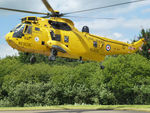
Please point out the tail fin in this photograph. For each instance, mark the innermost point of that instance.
(137, 45)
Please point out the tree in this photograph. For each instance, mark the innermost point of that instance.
(146, 35)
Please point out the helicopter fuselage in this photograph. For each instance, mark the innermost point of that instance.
(40, 35)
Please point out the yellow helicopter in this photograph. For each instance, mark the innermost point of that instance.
(58, 37)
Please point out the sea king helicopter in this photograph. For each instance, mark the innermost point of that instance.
(53, 36)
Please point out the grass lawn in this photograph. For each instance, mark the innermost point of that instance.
(83, 107)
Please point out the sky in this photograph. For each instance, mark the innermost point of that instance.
(128, 22)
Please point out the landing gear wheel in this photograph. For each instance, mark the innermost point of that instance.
(26, 54)
(80, 60)
(101, 66)
(53, 55)
(52, 58)
(32, 59)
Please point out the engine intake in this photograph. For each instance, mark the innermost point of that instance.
(85, 29)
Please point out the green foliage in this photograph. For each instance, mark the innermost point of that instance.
(125, 80)
(25, 58)
(145, 34)
(8, 65)
(5, 103)
(126, 72)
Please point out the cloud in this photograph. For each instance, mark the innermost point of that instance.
(137, 23)
(73, 5)
(99, 25)
(123, 29)
(146, 11)
(67, 5)
(130, 7)
(6, 50)
(31, 5)
(117, 35)
(102, 25)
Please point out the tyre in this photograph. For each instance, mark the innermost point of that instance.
(102, 67)
(52, 58)
(32, 59)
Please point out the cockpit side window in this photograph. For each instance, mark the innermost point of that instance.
(18, 31)
(14, 29)
(29, 31)
(26, 28)
(60, 25)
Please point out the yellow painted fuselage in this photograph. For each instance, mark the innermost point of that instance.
(39, 35)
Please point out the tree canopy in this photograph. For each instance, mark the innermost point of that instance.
(146, 35)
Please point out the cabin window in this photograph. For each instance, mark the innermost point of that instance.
(29, 31)
(27, 22)
(56, 37)
(60, 25)
(52, 35)
(37, 29)
(66, 39)
(95, 44)
(23, 19)
(32, 18)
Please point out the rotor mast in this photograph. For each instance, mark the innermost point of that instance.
(49, 8)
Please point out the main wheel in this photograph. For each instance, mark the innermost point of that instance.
(52, 58)
(102, 67)
(26, 54)
(53, 55)
(32, 59)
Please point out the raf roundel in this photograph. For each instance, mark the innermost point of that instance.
(108, 47)
(36, 39)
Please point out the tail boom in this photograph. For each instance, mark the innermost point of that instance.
(125, 48)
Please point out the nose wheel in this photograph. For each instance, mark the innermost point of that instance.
(53, 55)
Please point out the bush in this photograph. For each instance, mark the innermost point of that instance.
(5, 103)
(125, 80)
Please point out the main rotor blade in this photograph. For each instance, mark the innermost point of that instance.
(104, 7)
(23, 11)
(48, 7)
(91, 17)
(45, 16)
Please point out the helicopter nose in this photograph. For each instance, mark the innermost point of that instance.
(8, 37)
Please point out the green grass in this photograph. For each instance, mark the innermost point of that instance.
(83, 107)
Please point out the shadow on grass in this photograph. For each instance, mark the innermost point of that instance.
(74, 111)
